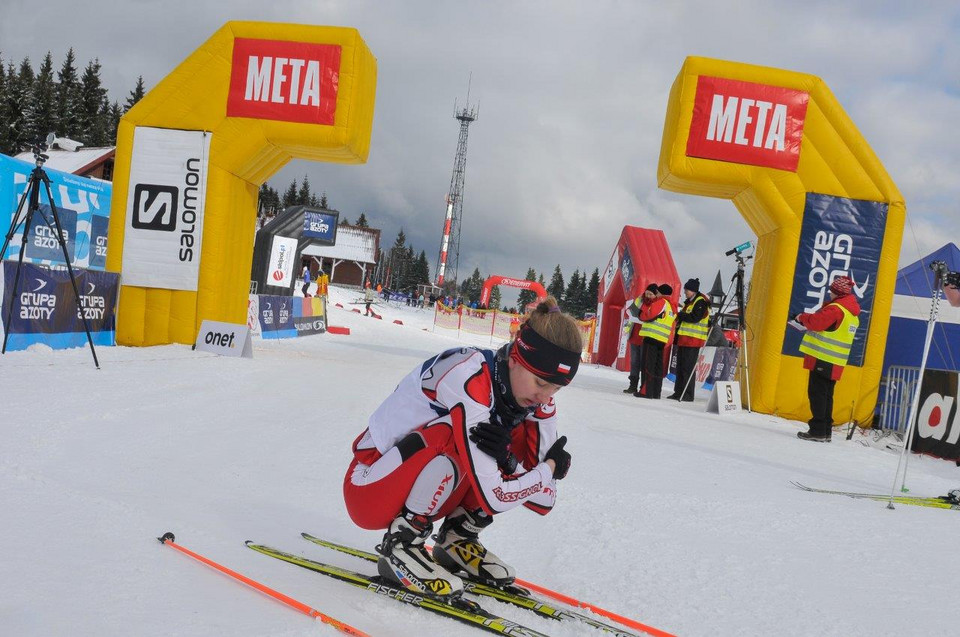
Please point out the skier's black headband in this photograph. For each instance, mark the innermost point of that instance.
(542, 358)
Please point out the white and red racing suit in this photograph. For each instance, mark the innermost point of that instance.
(427, 418)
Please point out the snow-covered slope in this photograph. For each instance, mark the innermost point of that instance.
(683, 520)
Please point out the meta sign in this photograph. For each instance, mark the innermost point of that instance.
(747, 123)
(286, 81)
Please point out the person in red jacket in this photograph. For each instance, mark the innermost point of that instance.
(692, 330)
(826, 347)
(657, 316)
(635, 340)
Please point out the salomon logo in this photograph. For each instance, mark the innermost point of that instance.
(155, 207)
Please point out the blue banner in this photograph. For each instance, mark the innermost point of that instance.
(43, 245)
(320, 226)
(839, 237)
(45, 307)
(276, 317)
(626, 271)
(84, 207)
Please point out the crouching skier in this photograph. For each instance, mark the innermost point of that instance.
(468, 434)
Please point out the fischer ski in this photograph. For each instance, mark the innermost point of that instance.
(949, 501)
(459, 609)
(514, 595)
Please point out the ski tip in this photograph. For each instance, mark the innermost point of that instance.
(249, 542)
(166, 537)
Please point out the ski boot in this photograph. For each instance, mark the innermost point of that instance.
(404, 560)
(458, 549)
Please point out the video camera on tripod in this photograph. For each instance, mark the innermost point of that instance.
(944, 274)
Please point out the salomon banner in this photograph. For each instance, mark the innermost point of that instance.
(83, 205)
(839, 237)
(45, 308)
(321, 226)
(938, 420)
(282, 253)
(164, 225)
(309, 316)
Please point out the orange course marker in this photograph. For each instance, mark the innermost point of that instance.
(168, 539)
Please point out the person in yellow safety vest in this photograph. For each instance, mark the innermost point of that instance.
(692, 330)
(826, 347)
(634, 339)
(656, 330)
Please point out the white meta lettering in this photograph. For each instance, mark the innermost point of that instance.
(295, 66)
(278, 78)
(722, 119)
(743, 118)
(311, 85)
(762, 109)
(777, 134)
(732, 120)
(258, 78)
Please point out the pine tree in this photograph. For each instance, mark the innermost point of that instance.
(303, 195)
(94, 127)
(135, 95)
(494, 297)
(323, 200)
(571, 296)
(116, 112)
(593, 288)
(344, 221)
(4, 129)
(43, 101)
(362, 221)
(422, 266)
(19, 89)
(68, 99)
(556, 284)
(527, 296)
(290, 196)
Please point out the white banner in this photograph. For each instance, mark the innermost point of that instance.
(165, 200)
(282, 253)
(225, 339)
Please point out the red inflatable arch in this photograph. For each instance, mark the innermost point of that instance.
(512, 283)
(641, 257)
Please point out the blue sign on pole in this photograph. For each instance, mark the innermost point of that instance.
(320, 226)
(839, 237)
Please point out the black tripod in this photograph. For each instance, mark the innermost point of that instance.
(32, 193)
(742, 318)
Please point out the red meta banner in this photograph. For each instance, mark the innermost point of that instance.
(286, 81)
(747, 123)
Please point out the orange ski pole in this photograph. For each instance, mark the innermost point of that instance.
(168, 539)
(626, 621)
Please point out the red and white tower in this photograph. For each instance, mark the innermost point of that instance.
(449, 258)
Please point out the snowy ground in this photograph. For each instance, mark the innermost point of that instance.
(680, 519)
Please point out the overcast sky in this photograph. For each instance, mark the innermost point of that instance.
(572, 98)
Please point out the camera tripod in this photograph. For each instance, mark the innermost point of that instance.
(32, 195)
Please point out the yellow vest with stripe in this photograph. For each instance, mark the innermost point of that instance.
(659, 329)
(832, 346)
(696, 330)
(637, 301)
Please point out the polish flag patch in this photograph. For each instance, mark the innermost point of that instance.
(563, 369)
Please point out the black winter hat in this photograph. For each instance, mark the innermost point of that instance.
(665, 289)
(693, 285)
(652, 288)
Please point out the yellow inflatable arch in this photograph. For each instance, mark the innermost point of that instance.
(192, 154)
(779, 145)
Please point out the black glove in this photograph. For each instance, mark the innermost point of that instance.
(560, 457)
(494, 440)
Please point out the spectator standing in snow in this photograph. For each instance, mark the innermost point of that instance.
(826, 347)
(692, 332)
